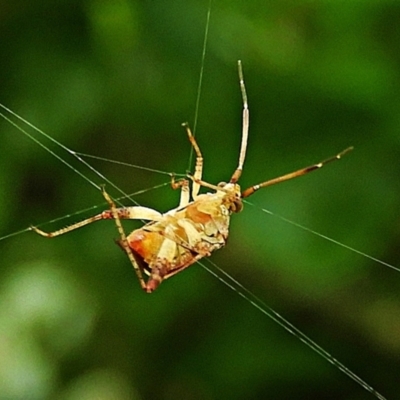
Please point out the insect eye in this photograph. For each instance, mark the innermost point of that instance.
(238, 205)
(221, 184)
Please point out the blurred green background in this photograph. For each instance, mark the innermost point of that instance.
(116, 78)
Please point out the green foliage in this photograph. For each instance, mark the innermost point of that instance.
(116, 79)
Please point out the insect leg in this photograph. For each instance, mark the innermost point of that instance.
(249, 191)
(136, 212)
(198, 172)
(245, 127)
(123, 241)
(185, 194)
(162, 270)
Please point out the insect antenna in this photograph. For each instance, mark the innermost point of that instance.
(245, 127)
(252, 189)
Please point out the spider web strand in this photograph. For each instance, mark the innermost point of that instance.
(327, 238)
(256, 302)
